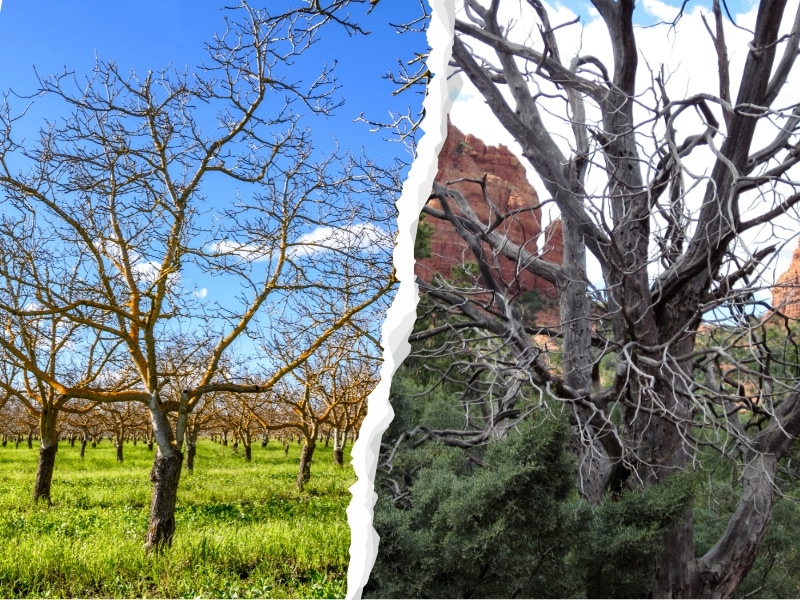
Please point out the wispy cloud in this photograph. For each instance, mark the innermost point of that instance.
(356, 238)
(248, 252)
(365, 236)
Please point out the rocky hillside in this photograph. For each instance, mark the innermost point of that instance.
(466, 157)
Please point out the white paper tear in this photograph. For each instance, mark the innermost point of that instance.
(401, 315)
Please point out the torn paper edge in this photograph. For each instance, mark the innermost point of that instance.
(401, 315)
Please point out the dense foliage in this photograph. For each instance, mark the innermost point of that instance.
(503, 521)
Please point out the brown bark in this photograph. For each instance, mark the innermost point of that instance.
(306, 455)
(191, 450)
(84, 441)
(120, 457)
(44, 473)
(47, 454)
(338, 457)
(165, 475)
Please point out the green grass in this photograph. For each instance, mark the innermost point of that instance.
(243, 530)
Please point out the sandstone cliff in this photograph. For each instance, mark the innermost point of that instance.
(466, 157)
(786, 293)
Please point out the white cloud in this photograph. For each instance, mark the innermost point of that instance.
(661, 10)
(201, 293)
(364, 236)
(248, 252)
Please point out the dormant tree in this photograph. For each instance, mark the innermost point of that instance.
(353, 375)
(200, 420)
(115, 191)
(40, 350)
(121, 420)
(235, 412)
(671, 196)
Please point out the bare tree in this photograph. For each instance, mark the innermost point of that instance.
(54, 346)
(120, 420)
(666, 350)
(115, 189)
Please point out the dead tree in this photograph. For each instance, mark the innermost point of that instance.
(665, 348)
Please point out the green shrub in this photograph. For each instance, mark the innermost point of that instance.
(619, 541)
(501, 530)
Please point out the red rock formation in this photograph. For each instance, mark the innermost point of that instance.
(786, 293)
(466, 157)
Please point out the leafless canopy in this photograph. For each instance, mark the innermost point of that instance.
(142, 190)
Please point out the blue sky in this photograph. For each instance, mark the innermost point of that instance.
(151, 34)
(54, 36)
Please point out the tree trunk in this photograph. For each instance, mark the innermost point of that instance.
(165, 475)
(304, 471)
(191, 450)
(47, 454)
(120, 457)
(84, 441)
(247, 442)
(44, 473)
(339, 444)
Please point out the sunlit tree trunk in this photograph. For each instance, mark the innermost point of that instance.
(307, 455)
(165, 476)
(47, 454)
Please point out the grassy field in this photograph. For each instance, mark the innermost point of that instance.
(243, 530)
